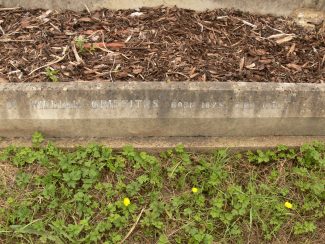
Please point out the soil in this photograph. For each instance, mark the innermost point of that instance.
(158, 44)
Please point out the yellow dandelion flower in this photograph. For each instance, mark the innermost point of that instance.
(288, 205)
(126, 201)
(195, 190)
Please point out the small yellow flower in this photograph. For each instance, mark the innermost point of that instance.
(126, 201)
(195, 190)
(288, 205)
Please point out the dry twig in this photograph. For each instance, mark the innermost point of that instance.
(76, 55)
(51, 63)
(133, 226)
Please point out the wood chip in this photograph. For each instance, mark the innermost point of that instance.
(85, 19)
(116, 45)
(292, 49)
(241, 63)
(284, 39)
(279, 36)
(137, 70)
(295, 66)
(250, 66)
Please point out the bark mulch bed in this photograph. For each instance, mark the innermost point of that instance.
(157, 44)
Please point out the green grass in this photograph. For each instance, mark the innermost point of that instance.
(96, 195)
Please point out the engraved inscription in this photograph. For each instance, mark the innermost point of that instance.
(113, 104)
(51, 104)
(212, 105)
(182, 104)
(118, 104)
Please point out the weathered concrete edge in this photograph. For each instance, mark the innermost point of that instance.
(276, 7)
(306, 117)
(135, 85)
(158, 144)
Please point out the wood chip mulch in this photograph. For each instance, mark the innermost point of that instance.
(157, 44)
